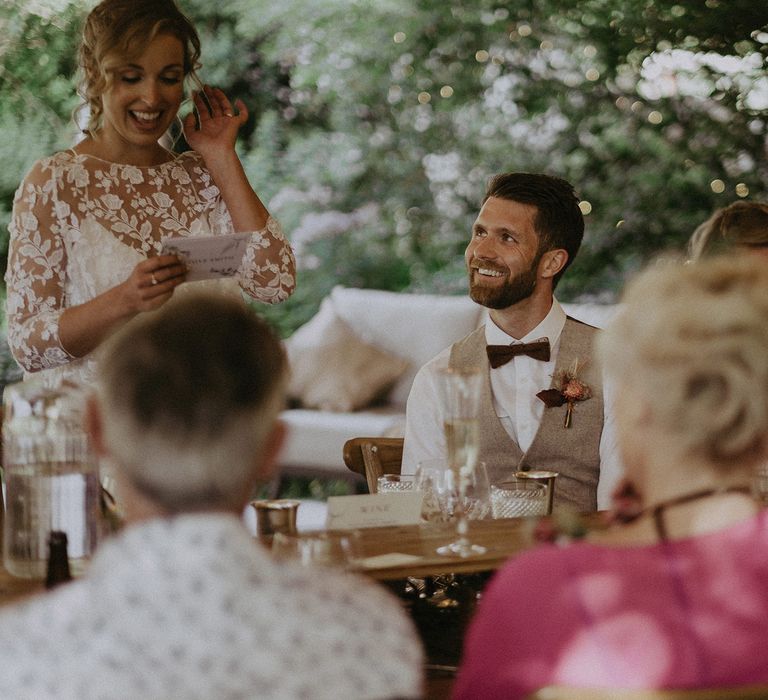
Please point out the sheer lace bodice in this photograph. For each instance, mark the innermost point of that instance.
(79, 227)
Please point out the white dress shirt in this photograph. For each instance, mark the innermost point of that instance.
(514, 387)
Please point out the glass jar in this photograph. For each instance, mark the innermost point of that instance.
(51, 478)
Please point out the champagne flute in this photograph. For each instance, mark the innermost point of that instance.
(460, 394)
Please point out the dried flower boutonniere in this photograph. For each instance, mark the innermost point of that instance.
(571, 390)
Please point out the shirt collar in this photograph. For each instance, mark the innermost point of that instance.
(550, 327)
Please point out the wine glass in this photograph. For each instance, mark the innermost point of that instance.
(330, 549)
(460, 395)
(435, 479)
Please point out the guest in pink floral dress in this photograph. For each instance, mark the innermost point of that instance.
(675, 596)
(87, 223)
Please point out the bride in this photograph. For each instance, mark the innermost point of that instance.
(87, 223)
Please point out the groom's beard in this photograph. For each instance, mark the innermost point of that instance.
(501, 296)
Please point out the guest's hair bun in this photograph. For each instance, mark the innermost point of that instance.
(694, 339)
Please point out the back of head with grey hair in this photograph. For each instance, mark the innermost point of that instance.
(188, 396)
(693, 341)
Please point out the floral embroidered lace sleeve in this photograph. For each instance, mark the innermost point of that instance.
(80, 225)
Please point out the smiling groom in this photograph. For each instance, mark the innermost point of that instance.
(527, 233)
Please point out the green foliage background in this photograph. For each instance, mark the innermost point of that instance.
(375, 123)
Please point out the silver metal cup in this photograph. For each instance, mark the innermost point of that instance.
(275, 515)
(543, 477)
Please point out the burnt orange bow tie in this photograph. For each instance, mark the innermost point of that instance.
(499, 355)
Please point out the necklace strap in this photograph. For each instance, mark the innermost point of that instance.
(657, 511)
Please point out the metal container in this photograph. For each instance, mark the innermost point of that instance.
(275, 515)
(543, 477)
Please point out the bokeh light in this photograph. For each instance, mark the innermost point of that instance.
(742, 190)
(718, 186)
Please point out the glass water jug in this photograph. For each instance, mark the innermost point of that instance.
(51, 478)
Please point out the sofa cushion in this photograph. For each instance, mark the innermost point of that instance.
(415, 327)
(316, 439)
(332, 369)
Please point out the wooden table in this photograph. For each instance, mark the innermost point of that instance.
(13, 589)
(502, 539)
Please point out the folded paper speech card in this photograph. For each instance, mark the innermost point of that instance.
(208, 257)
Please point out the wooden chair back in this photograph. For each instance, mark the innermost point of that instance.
(373, 456)
(752, 692)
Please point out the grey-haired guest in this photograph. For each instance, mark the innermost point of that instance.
(183, 603)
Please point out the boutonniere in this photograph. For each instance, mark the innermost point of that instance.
(570, 389)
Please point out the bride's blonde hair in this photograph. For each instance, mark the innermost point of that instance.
(116, 30)
(694, 339)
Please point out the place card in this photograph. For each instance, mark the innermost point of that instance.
(208, 257)
(377, 510)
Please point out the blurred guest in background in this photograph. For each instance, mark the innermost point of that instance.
(742, 226)
(183, 603)
(87, 223)
(677, 597)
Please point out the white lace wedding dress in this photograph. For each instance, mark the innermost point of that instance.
(79, 227)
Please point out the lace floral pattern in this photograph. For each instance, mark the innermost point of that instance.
(80, 225)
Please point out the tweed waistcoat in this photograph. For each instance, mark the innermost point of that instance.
(574, 453)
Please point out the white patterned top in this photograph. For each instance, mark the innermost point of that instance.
(81, 224)
(190, 607)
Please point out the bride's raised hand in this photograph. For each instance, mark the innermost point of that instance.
(212, 126)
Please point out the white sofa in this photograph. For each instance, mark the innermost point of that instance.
(413, 327)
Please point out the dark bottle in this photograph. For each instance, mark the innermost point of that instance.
(58, 559)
